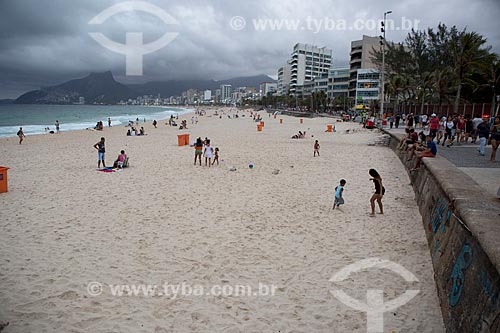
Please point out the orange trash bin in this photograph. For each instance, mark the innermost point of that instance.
(3, 180)
(259, 128)
(186, 139)
(281, 120)
(301, 120)
(180, 139)
(329, 128)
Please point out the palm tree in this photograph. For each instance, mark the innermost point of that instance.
(490, 73)
(468, 54)
(394, 88)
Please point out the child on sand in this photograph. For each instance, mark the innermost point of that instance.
(338, 194)
(379, 191)
(209, 151)
(316, 148)
(216, 156)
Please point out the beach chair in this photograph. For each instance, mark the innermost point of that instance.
(125, 163)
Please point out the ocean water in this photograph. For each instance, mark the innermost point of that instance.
(35, 118)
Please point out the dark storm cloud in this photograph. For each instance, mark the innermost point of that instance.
(45, 42)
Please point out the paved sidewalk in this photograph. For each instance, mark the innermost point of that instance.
(466, 157)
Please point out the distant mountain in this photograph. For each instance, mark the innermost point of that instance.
(94, 88)
(101, 88)
(6, 101)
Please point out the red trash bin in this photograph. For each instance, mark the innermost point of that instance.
(3, 180)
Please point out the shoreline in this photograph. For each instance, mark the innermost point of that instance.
(13, 135)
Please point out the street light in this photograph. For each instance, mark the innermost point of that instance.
(383, 29)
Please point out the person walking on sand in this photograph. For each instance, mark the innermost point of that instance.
(101, 149)
(198, 150)
(109, 122)
(379, 192)
(339, 190)
(57, 126)
(316, 148)
(21, 135)
(209, 152)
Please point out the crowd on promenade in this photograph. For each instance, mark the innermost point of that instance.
(446, 131)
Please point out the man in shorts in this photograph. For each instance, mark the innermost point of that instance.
(100, 153)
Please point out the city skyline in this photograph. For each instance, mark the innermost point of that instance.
(40, 50)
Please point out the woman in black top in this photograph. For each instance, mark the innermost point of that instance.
(379, 191)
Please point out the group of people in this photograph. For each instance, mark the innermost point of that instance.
(447, 131)
(377, 196)
(136, 132)
(203, 147)
(101, 151)
(299, 135)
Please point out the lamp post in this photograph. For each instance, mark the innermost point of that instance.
(382, 42)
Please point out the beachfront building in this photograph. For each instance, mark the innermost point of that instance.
(284, 76)
(207, 95)
(267, 88)
(321, 83)
(308, 62)
(367, 86)
(338, 82)
(360, 58)
(225, 93)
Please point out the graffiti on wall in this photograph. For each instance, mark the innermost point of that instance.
(440, 217)
(463, 261)
(490, 289)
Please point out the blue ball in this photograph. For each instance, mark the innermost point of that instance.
(250, 166)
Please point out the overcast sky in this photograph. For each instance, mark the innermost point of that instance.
(45, 42)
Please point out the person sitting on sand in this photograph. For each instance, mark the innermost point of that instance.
(129, 133)
(379, 191)
(339, 190)
(119, 160)
(430, 151)
(198, 150)
(142, 132)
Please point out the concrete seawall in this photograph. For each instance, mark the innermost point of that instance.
(462, 225)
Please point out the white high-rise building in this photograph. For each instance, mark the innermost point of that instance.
(308, 62)
(207, 95)
(284, 77)
(225, 93)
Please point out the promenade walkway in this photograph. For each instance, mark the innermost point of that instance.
(466, 158)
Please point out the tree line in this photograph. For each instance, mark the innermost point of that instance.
(444, 65)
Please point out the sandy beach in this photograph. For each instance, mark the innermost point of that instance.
(163, 220)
